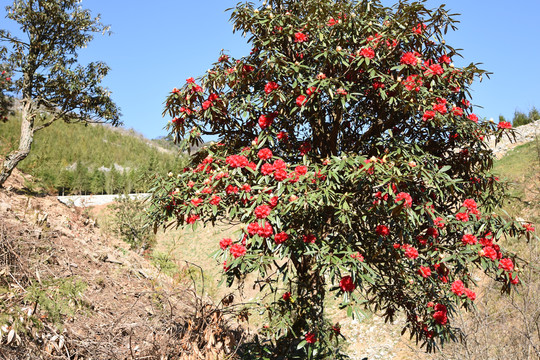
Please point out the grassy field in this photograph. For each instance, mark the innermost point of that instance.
(79, 159)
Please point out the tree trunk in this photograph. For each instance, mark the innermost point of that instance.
(25, 143)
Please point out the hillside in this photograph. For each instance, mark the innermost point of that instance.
(68, 290)
(77, 159)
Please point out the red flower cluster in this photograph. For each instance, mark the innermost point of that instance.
(441, 314)
(281, 237)
(225, 243)
(504, 125)
(367, 52)
(424, 271)
(265, 154)
(469, 239)
(428, 115)
(410, 251)
(309, 238)
(301, 100)
(506, 264)
(409, 58)
(405, 197)
(382, 230)
(270, 86)
(262, 211)
(191, 219)
(266, 120)
(300, 37)
(346, 284)
(237, 161)
(237, 250)
(311, 338)
(419, 28)
(413, 82)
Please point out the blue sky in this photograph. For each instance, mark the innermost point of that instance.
(156, 45)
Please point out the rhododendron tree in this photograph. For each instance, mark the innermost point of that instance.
(350, 158)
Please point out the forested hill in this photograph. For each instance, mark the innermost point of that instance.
(77, 159)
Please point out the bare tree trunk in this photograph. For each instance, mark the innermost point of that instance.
(25, 143)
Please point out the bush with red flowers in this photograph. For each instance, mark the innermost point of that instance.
(368, 176)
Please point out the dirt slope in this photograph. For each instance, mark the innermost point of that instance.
(127, 309)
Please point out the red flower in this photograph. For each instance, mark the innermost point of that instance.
(382, 230)
(305, 147)
(270, 86)
(440, 108)
(237, 250)
(192, 218)
(266, 120)
(309, 238)
(528, 227)
(513, 280)
(440, 315)
(413, 82)
(280, 164)
(457, 111)
(331, 22)
(346, 284)
(237, 161)
(225, 243)
(409, 59)
(473, 117)
(311, 338)
(300, 37)
(286, 296)
(358, 256)
(406, 197)
(367, 52)
(462, 216)
(253, 228)
(506, 264)
(215, 200)
(231, 189)
(489, 252)
(196, 201)
(273, 201)
(470, 294)
(504, 125)
(439, 222)
(428, 115)
(435, 69)
(266, 231)
(265, 154)
(419, 28)
(246, 187)
(470, 204)
(262, 211)
(283, 136)
(469, 239)
(310, 91)
(424, 271)
(458, 288)
(280, 175)
(267, 169)
(301, 100)
(190, 80)
(432, 232)
(410, 252)
(301, 170)
(445, 59)
(341, 91)
(281, 237)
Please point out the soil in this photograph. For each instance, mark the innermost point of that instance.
(128, 308)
